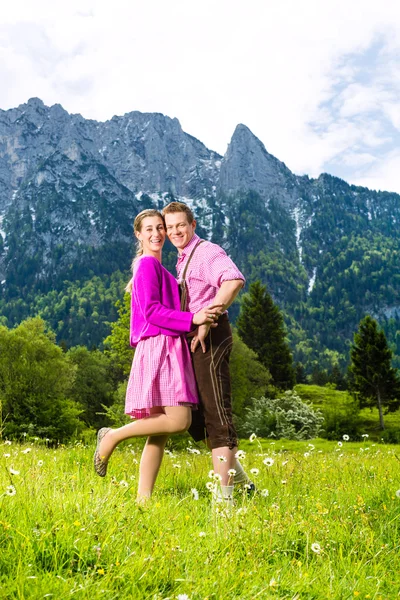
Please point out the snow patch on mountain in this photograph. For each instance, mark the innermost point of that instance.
(312, 281)
(296, 216)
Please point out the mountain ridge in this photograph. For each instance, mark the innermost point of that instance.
(70, 189)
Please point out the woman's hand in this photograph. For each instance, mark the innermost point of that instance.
(209, 314)
(200, 337)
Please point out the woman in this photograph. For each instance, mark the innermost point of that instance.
(161, 391)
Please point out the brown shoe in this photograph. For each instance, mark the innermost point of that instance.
(100, 465)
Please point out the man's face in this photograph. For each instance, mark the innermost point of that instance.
(179, 230)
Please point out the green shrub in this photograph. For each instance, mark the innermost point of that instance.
(284, 417)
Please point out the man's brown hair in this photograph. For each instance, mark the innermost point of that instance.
(175, 207)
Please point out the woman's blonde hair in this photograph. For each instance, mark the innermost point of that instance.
(137, 227)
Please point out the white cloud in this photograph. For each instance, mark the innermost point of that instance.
(316, 82)
(384, 175)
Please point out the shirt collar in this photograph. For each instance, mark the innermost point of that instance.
(188, 248)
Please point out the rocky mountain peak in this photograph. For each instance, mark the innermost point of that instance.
(248, 166)
(35, 103)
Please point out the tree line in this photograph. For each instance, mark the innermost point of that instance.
(55, 392)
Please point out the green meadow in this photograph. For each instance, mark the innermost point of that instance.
(324, 523)
(339, 407)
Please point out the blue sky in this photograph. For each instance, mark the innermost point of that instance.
(317, 82)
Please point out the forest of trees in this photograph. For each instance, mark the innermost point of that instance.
(55, 392)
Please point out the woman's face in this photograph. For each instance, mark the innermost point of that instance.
(152, 235)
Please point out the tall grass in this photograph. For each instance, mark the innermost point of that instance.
(324, 523)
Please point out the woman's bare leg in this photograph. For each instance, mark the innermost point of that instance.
(174, 419)
(150, 464)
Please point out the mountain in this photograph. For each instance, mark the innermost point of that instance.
(70, 188)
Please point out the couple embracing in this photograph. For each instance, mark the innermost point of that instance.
(172, 389)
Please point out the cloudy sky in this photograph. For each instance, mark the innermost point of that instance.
(317, 82)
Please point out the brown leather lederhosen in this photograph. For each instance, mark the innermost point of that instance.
(214, 417)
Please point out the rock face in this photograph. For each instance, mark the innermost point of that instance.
(248, 166)
(142, 152)
(76, 184)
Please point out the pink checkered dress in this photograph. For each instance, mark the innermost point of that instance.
(162, 372)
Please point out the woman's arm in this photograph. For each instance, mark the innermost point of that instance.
(147, 287)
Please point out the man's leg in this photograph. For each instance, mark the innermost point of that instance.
(240, 477)
(213, 381)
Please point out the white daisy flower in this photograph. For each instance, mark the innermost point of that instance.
(232, 472)
(306, 454)
(14, 472)
(7, 443)
(182, 597)
(40, 463)
(195, 494)
(176, 466)
(346, 437)
(240, 454)
(123, 483)
(315, 547)
(254, 471)
(365, 435)
(210, 486)
(340, 444)
(202, 534)
(398, 493)
(217, 477)
(222, 459)
(211, 474)
(241, 509)
(252, 437)
(264, 493)
(10, 490)
(268, 461)
(6, 455)
(27, 450)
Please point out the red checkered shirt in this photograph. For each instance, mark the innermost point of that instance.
(209, 267)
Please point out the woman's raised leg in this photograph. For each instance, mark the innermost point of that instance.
(173, 419)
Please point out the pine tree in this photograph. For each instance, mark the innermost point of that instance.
(372, 376)
(260, 325)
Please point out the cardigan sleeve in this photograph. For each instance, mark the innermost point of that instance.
(148, 289)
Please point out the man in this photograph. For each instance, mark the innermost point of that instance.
(211, 277)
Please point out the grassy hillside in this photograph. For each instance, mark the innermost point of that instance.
(340, 408)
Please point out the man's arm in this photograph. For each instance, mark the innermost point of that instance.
(225, 296)
(228, 292)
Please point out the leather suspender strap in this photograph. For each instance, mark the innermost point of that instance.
(182, 283)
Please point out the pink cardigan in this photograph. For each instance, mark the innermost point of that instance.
(155, 306)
